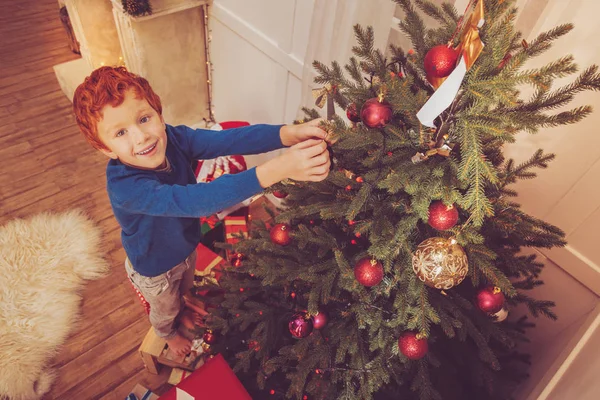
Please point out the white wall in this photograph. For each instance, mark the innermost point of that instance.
(257, 49)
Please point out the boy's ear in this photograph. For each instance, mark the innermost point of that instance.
(110, 154)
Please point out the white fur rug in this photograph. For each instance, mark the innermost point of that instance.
(44, 261)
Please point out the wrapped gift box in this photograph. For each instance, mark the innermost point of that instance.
(236, 227)
(214, 380)
(155, 352)
(208, 265)
(141, 393)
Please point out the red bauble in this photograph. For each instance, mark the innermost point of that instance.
(209, 337)
(280, 194)
(352, 113)
(441, 216)
(368, 272)
(440, 61)
(253, 345)
(280, 234)
(376, 113)
(320, 319)
(300, 325)
(412, 345)
(236, 260)
(490, 299)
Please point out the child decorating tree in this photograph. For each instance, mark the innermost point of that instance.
(153, 191)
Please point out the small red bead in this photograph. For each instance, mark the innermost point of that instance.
(348, 188)
(359, 180)
(237, 315)
(252, 275)
(305, 397)
(241, 289)
(351, 222)
(260, 312)
(312, 222)
(353, 241)
(411, 52)
(272, 391)
(389, 153)
(357, 234)
(293, 295)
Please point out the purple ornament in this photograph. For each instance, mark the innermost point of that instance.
(300, 325)
(320, 320)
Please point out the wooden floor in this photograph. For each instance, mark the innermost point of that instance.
(47, 165)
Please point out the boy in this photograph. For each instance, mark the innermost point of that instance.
(153, 191)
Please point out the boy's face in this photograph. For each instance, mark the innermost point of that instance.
(134, 133)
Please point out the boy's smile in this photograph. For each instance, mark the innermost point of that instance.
(134, 133)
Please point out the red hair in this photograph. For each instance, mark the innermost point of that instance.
(107, 86)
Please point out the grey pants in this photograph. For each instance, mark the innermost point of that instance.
(165, 293)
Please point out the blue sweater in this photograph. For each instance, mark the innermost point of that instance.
(159, 211)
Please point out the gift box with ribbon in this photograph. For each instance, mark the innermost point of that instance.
(141, 393)
(214, 380)
(236, 228)
(208, 265)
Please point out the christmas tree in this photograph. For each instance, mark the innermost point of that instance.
(393, 278)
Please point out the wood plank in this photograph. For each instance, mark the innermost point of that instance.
(156, 383)
(89, 364)
(106, 380)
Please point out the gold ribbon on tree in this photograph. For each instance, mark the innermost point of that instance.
(470, 45)
(325, 95)
(320, 95)
(443, 150)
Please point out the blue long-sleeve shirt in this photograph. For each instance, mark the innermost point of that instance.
(158, 211)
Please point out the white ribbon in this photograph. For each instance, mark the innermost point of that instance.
(183, 395)
(443, 97)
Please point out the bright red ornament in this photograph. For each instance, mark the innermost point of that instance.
(280, 234)
(320, 319)
(209, 337)
(300, 325)
(376, 113)
(490, 299)
(280, 194)
(441, 216)
(368, 272)
(440, 61)
(253, 345)
(413, 345)
(236, 260)
(352, 113)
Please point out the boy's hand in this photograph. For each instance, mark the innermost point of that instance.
(293, 134)
(305, 161)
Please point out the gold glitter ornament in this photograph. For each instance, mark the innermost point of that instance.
(440, 263)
